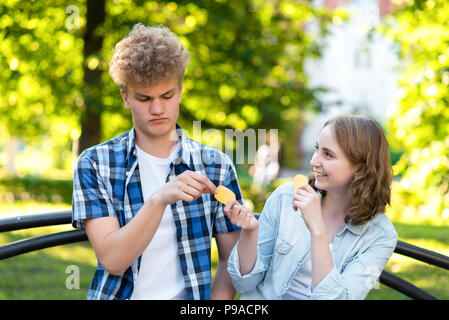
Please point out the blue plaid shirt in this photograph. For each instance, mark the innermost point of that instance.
(107, 183)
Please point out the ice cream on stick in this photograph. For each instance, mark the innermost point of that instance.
(224, 195)
(299, 180)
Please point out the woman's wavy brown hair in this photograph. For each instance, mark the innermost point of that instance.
(364, 144)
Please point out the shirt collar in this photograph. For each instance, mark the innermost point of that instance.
(185, 152)
(356, 229)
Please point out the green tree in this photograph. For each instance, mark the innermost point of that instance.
(419, 124)
(246, 68)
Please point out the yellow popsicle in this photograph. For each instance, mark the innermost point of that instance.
(224, 194)
(299, 180)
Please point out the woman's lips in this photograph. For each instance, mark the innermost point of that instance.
(319, 175)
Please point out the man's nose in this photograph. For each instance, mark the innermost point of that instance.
(156, 107)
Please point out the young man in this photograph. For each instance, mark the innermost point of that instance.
(145, 198)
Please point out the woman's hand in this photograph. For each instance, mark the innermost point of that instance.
(309, 202)
(241, 215)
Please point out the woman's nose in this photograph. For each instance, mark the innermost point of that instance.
(314, 162)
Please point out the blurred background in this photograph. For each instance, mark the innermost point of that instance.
(255, 64)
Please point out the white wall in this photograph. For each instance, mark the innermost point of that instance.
(360, 73)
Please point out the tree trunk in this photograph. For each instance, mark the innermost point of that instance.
(93, 42)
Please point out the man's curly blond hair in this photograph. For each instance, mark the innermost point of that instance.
(147, 56)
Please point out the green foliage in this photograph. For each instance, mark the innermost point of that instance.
(246, 68)
(419, 124)
(36, 188)
(40, 69)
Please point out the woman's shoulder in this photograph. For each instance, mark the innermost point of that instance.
(285, 189)
(381, 221)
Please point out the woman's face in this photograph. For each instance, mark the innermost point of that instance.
(332, 169)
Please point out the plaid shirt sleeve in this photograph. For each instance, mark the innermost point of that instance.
(90, 196)
(222, 223)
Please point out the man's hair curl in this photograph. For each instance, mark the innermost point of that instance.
(147, 56)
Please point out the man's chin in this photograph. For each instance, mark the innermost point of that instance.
(160, 132)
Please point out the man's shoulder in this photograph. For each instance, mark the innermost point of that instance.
(115, 147)
(206, 154)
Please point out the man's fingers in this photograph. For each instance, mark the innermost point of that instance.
(195, 185)
(210, 187)
(194, 192)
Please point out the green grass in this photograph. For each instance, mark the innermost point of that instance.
(430, 278)
(42, 274)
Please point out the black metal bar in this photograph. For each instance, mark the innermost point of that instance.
(37, 220)
(41, 242)
(404, 287)
(421, 254)
(65, 217)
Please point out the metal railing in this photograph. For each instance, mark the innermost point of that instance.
(65, 237)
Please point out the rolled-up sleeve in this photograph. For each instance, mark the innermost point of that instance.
(222, 224)
(360, 274)
(265, 245)
(90, 197)
(247, 282)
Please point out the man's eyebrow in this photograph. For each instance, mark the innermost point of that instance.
(163, 94)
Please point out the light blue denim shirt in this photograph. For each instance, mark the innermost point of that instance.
(359, 254)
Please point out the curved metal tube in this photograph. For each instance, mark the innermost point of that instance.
(41, 242)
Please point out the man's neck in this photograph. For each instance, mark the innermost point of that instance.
(160, 147)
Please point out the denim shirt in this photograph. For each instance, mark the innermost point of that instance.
(359, 254)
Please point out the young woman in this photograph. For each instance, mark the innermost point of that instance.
(328, 239)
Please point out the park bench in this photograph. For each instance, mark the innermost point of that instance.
(65, 217)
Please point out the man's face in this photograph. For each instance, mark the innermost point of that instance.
(154, 109)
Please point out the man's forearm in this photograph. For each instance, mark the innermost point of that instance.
(123, 246)
(222, 288)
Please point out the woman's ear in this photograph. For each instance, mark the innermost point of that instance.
(358, 168)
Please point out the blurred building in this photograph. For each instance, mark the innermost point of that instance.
(358, 67)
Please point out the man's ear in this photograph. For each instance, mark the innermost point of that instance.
(125, 98)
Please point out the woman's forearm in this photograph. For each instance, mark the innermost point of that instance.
(247, 250)
(322, 262)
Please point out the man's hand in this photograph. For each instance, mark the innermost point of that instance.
(188, 187)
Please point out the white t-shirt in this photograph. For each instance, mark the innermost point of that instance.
(160, 275)
(301, 282)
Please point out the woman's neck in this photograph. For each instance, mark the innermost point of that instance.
(335, 205)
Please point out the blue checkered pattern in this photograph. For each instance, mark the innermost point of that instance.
(107, 183)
